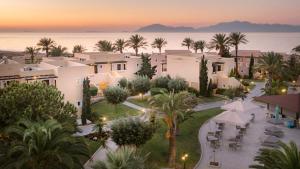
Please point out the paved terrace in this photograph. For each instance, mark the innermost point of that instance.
(240, 159)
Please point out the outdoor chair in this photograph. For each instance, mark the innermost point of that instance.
(238, 127)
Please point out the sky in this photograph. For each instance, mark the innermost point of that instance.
(128, 15)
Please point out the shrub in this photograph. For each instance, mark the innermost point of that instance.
(155, 91)
(141, 84)
(123, 83)
(161, 82)
(178, 84)
(220, 91)
(245, 82)
(131, 132)
(193, 91)
(115, 95)
(93, 91)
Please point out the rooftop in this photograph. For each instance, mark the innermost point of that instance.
(247, 53)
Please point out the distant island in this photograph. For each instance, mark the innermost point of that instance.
(234, 26)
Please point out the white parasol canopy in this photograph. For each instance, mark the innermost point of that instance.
(231, 117)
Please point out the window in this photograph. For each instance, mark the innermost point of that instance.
(46, 82)
(78, 103)
(124, 66)
(219, 68)
(118, 66)
(95, 69)
(137, 65)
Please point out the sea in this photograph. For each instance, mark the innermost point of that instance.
(18, 41)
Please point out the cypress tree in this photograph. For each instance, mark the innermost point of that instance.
(251, 67)
(86, 101)
(146, 68)
(203, 78)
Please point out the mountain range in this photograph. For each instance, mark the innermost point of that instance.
(234, 26)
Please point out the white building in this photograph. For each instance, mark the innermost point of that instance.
(185, 64)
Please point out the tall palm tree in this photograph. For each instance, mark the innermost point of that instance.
(220, 42)
(78, 49)
(46, 44)
(137, 41)
(173, 106)
(187, 42)
(272, 64)
(59, 51)
(159, 43)
(297, 49)
(32, 51)
(123, 158)
(237, 38)
(120, 45)
(199, 45)
(43, 145)
(105, 46)
(287, 157)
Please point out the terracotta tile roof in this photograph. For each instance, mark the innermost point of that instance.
(290, 102)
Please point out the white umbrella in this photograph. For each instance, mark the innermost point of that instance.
(231, 117)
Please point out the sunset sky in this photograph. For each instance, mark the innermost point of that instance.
(121, 15)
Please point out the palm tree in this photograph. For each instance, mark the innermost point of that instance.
(297, 49)
(59, 51)
(199, 45)
(173, 106)
(43, 145)
(137, 41)
(159, 43)
(237, 38)
(123, 158)
(120, 45)
(32, 51)
(220, 42)
(78, 49)
(46, 44)
(287, 157)
(187, 42)
(105, 46)
(272, 64)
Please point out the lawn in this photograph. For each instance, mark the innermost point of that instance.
(108, 110)
(140, 102)
(210, 99)
(187, 141)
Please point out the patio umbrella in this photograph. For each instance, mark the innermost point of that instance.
(231, 117)
(277, 111)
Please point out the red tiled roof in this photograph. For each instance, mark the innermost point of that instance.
(290, 102)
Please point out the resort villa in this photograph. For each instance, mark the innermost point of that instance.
(160, 61)
(184, 63)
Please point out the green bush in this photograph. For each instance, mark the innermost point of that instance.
(178, 84)
(141, 84)
(245, 83)
(156, 90)
(123, 83)
(115, 95)
(131, 132)
(161, 82)
(93, 91)
(193, 91)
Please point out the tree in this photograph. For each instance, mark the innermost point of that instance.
(203, 78)
(220, 42)
(93, 90)
(173, 105)
(86, 101)
(137, 41)
(115, 95)
(58, 51)
(120, 45)
(46, 44)
(251, 64)
(32, 51)
(287, 157)
(187, 42)
(131, 132)
(297, 49)
(209, 92)
(34, 101)
(43, 145)
(161, 82)
(105, 46)
(159, 43)
(237, 38)
(125, 157)
(293, 68)
(178, 84)
(146, 68)
(271, 63)
(141, 84)
(199, 45)
(78, 49)
(123, 83)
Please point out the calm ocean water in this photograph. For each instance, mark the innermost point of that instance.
(280, 42)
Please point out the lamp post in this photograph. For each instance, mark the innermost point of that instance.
(184, 159)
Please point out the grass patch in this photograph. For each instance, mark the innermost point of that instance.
(108, 110)
(187, 141)
(140, 102)
(210, 99)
